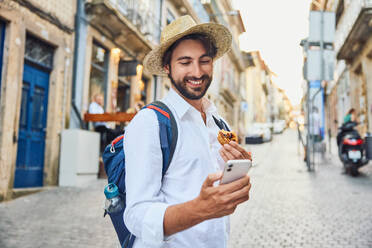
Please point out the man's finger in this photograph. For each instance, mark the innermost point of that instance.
(234, 152)
(211, 178)
(223, 156)
(249, 155)
(242, 151)
(227, 154)
(236, 185)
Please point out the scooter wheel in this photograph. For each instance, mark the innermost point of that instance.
(354, 171)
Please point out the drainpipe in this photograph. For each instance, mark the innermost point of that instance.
(157, 79)
(78, 70)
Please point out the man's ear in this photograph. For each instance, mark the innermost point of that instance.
(166, 68)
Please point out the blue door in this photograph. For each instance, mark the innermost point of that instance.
(2, 37)
(32, 127)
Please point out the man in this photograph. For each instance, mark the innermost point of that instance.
(187, 207)
(95, 107)
(107, 134)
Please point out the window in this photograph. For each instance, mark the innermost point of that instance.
(98, 71)
(38, 52)
(123, 97)
(144, 90)
(170, 16)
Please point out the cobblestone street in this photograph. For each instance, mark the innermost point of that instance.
(289, 207)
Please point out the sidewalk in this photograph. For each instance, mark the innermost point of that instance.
(61, 217)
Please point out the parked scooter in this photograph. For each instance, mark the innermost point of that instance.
(351, 150)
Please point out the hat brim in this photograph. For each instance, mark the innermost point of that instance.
(219, 34)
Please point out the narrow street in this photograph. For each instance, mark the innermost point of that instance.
(289, 207)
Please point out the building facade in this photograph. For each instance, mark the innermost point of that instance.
(55, 56)
(352, 84)
(353, 46)
(228, 76)
(258, 84)
(37, 44)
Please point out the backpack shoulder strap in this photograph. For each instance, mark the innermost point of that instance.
(221, 124)
(168, 131)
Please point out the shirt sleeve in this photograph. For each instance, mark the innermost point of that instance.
(145, 209)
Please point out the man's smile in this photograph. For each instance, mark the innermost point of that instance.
(194, 83)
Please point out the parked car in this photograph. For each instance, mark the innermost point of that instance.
(258, 133)
(266, 130)
(278, 126)
(254, 136)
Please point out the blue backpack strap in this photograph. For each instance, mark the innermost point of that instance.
(113, 160)
(167, 130)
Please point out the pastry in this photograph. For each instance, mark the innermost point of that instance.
(224, 137)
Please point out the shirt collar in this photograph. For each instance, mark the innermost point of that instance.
(181, 107)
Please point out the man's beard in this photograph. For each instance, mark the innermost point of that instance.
(181, 86)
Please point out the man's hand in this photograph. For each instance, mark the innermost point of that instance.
(234, 151)
(218, 201)
(212, 202)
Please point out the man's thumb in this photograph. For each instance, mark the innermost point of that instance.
(212, 178)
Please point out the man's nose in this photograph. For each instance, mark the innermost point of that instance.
(197, 70)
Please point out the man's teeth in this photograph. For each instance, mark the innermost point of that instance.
(195, 82)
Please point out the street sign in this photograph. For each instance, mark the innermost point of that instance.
(329, 64)
(314, 65)
(244, 106)
(315, 30)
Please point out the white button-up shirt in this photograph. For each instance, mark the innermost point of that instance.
(95, 108)
(148, 196)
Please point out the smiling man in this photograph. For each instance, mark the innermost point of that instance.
(186, 207)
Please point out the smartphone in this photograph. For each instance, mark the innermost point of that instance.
(235, 169)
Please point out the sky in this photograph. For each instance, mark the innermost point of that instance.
(275, 28)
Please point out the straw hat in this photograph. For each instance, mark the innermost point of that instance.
(185, 25)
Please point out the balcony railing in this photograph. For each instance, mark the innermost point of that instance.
(143, 14)
(347, 21)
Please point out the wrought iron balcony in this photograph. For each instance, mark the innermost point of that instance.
(132, 23)
(353, 28)
(142, 15)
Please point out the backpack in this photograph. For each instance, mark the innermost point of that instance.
(114, 161)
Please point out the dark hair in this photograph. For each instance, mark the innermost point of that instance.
(206, 41)
(352, 110)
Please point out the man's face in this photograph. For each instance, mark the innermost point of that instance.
(190, 69)
(99, 99)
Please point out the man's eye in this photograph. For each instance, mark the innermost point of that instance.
(205, 61)
(185, 63)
